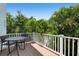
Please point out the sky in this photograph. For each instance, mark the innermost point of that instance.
(37, 10)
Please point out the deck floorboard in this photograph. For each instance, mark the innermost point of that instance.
(28, 51)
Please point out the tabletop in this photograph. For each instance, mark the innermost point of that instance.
(15, 38)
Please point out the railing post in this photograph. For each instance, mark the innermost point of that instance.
(45, 40)
(34, 39)
(78, 48)
(61, 44)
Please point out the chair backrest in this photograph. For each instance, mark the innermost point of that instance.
(3, 38)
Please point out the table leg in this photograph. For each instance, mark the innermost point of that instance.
(17, 48)
(24, 44)
(8, 48)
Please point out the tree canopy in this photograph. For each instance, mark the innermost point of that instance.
(67, 20)
(63, 21)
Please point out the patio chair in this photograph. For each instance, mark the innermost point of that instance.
(4, 42)
(23, 41)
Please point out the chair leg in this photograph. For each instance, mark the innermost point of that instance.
(24, 45)
(17, 48)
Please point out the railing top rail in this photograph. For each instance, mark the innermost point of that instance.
(19, 33)
(48, 35)
(63, 36)
(71, 37)
(51, 35)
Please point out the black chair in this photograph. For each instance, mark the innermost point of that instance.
(4, 42)
(23, 41)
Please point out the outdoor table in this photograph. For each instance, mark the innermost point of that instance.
(15, 39)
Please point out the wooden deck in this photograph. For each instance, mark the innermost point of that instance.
(32, 49)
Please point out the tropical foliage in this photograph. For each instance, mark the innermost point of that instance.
(67, 20)
(64, 21)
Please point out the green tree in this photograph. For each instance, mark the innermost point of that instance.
(67, 20)
(31, 25)
(21, 20)
(42, 26)
(10, 23)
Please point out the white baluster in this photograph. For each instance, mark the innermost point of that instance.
(72, 47)
(61, 43)
(64, 46)
(58, 44)
(52, 41)
(34, 37)
(55, 43)
(15, 35)
(68, 46)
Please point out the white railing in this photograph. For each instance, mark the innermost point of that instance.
(19, 34)
(68, 46)
(16, 34)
